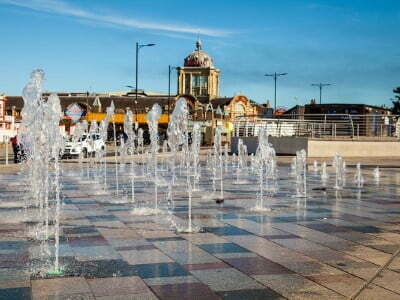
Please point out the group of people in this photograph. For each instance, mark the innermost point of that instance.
(18, 150)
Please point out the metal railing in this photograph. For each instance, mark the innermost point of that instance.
(336, 126)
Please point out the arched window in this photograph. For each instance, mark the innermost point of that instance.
(240, 110)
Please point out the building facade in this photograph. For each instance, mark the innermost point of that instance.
(198, 83)
(198, 76)
(8, 124)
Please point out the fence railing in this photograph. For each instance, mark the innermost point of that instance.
(323, 126)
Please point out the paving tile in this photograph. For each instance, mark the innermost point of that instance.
(95, 253)
(222, 248)
(117, 286)
(395, 264)
(127, 242)
(313, 268)
(269, 250)
(11, 260)
(369, 254)
(226, 279)
(138, 257)
(280, 236)
(250, 294)
(159, 270)
(80, 229)
(87, 241)
(365, 229)
(257, 266)
(204, 238)
(187, 291)
(389, 280)
(388, 248)
(12, 284)
(18, 293)
(234, 255)
(170, 280)
(184, 252)
(9, 275)
(13, 246)
(374, 292)
(165, 239)
(138, 248)
(362, 272)
(155, 234)
(100, 268)
(79, 296)
(227, 230)
(345, 284)
(145, 296)
(59, 286)
(299, 244)
(205, 266)
(294, 286)
(118, 233)
(327, 228)
(102, 218)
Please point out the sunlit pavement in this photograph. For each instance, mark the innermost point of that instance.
(322, 247)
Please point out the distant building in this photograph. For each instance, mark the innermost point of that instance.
(198, 82)
(365, 119)
(198, 76)
(8, 114)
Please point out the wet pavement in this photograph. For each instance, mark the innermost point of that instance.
(325, 246)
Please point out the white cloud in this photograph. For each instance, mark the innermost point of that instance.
(62, 8)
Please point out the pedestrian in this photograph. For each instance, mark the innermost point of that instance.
(386, 121)
(15, 146)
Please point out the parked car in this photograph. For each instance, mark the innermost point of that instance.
(86, 145)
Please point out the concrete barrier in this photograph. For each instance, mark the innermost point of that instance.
(251, 142)
(321, 148)
(283, 145)
(317, 148)
(288, 145)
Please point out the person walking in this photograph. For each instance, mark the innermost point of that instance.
(15, 146)
(386, 121)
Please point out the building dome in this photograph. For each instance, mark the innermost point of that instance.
(198, 58)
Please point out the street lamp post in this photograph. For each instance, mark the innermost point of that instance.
(320, 85)
(169, 86)
(275, 76)
(138, 47)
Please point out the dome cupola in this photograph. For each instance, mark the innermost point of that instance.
(198, 58)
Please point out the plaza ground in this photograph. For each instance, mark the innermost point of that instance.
(325, 246)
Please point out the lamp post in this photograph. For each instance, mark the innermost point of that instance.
(275, 76)
(169, 86)
(138, 47)
(320, 85)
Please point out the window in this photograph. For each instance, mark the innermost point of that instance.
(199, 85)
(239, 110)
(187, 84)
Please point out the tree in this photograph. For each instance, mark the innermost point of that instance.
(396, 101)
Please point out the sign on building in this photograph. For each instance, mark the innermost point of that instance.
(74, 111)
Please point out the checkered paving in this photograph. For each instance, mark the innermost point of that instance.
(322, 247)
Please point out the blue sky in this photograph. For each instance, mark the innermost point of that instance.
(90, 45)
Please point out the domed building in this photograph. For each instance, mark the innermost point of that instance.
(199, 79)
(198, 76)
(199, 58)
